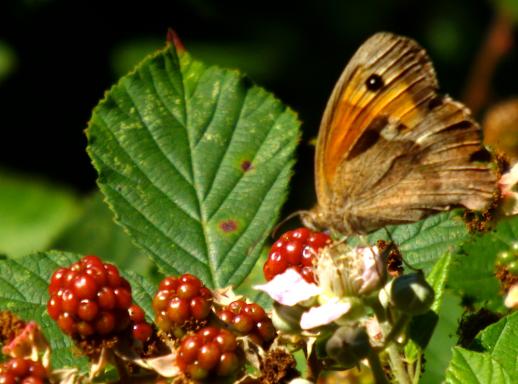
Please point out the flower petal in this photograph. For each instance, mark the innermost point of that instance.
(324, 314)
(289, 288)
(508, 184)
(511, 300)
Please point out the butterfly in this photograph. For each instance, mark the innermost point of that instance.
(391, 149)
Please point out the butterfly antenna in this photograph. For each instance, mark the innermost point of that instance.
(287, 218)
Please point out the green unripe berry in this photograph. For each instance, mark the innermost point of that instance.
(512, 267)
(412, 294)
(504, 258)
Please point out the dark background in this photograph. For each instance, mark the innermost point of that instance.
(65, 54)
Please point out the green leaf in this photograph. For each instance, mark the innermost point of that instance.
(497, 363)
(95, 232)
(437, 279)
(142, 291)
(422, 327)
(33, 213)
(195, 162)
(438, 351)
(7, 60)
(468, 367)
(500, 339)
(473, 269)
(424, 242)
(23, 291)
(256, 277)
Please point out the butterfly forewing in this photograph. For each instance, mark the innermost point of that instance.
(390, 148)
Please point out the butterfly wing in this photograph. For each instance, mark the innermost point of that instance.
(391, 149)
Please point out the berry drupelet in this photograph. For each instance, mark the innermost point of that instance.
(295, 249)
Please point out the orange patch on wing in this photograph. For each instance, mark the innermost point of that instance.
(396, 103)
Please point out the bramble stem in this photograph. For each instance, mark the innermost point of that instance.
(400, 324)
(396, 363)
(314, 367)
(377, 369)
(394, 357)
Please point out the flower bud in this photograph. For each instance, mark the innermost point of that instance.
(348, 346)
(411, 294)
(287, 318)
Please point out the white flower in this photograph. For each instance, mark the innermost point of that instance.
(344, 274)
(343, 271)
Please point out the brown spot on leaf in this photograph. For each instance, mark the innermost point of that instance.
(228, 226)
(246, 165)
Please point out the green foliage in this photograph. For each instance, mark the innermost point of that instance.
(33, 213)
(23, 291)
(95, 232)
(422, 327)
(496, 363)
(473, 271)
(423, 243)
(195, 162)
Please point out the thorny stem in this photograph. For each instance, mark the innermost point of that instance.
(497, 43)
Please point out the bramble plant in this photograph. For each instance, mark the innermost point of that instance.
(194, 161)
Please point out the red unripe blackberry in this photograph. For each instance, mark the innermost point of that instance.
(7, 378)
(178, 310)
(228, 364)
(18, 366)
(210, 351)
(142, 331)
(122, 298)
(66, 323)
(21, 370)
(179, 300)
(106, 298)
(87, 310)
(69, 301)
(105, 323)
(91, 297)
(54, 306)
(169, 284)
(136, 314)
(243, 323)
(248, 319)
(295, 249)
(208, 355)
